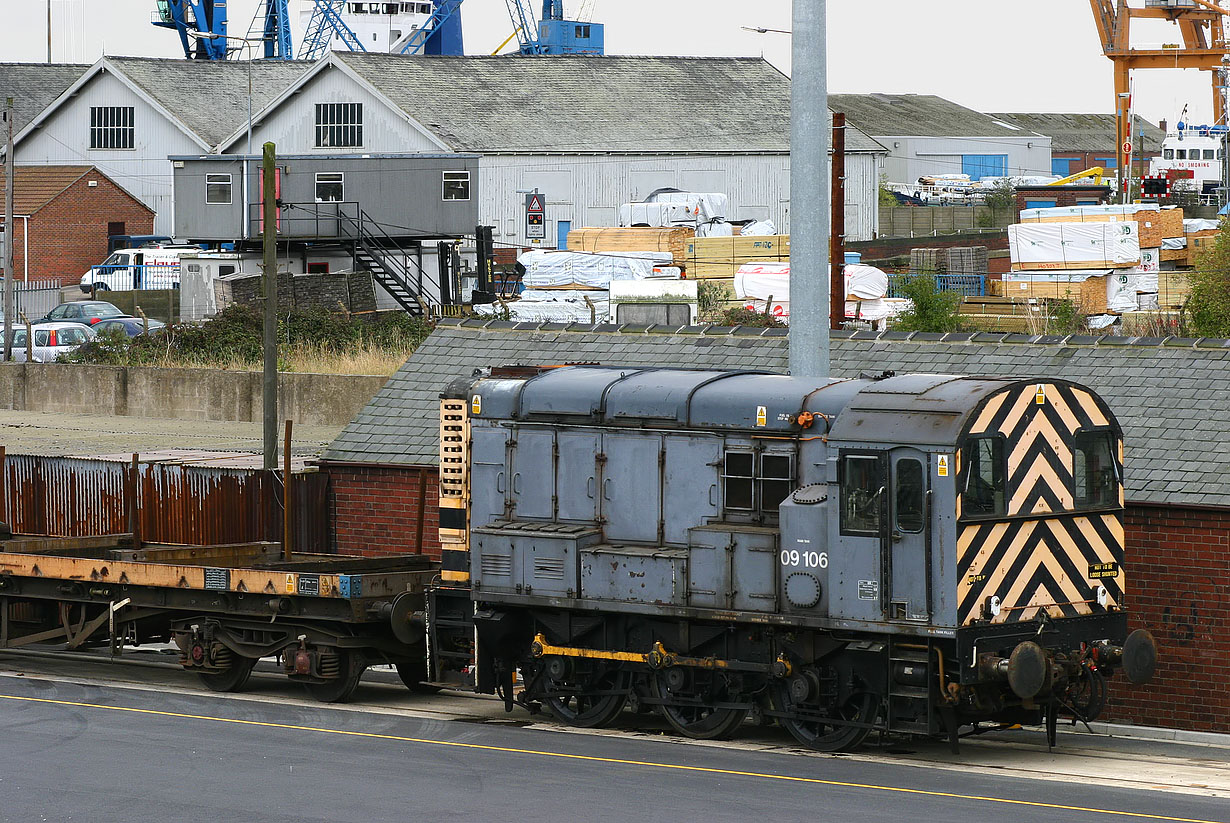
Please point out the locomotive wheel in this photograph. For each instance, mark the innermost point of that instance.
(351, 666)
(810, 722)
(413, 673)
(232, 679)
(686, 706)
(587, 701)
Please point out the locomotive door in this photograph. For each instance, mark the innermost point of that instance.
(907, 556)
(630, 489)
(531, 484)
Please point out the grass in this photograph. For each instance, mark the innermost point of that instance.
(305, 358)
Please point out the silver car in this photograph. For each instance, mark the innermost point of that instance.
(50, 341)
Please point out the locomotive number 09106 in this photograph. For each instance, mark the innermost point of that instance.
(809, 560)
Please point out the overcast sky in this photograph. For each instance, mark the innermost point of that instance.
(990, 55)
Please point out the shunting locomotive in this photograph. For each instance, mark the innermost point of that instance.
(920, 554)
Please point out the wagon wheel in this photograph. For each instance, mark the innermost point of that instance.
(349, 666)
(231, 679)
(413, 673)
(810, 718)
(687, 704)
(588, 700)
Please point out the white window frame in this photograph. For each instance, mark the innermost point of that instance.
(214, 179)
(340, 179)
(339, 125)
(457, 178)
(111, 127)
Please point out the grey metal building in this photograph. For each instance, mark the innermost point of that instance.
(927, 135)
(589, 132)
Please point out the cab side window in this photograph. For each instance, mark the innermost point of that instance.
(1095, 470)
(984, 477)
(862, 493)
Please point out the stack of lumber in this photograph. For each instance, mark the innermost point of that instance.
(673, 239)
(1000, 314)
(1087, 291)
(719, 258)
(1173, 289)
(1154, 225)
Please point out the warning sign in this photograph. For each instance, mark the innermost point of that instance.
(941, 465)
(535, 216)
(1127, 147)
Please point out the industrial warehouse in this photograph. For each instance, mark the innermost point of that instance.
(443, 387)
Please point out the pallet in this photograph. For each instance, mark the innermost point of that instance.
(670, 239)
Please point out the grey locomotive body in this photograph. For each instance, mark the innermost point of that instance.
(909, 553)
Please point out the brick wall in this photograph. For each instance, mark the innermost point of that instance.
(1069, 195)
(1178, 568)
(375, 510)
(69, 234)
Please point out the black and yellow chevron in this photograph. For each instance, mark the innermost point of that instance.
(454, 490)
(1041, 554)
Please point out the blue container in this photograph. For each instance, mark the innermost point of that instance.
(853, 258)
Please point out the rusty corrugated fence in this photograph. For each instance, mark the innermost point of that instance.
(163, 502)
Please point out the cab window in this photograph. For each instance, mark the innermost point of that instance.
(862, 493)
(909, 496)
(1168, 154)
(984, 477)
(1095, 470)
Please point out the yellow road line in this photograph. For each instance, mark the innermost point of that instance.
(612, 760)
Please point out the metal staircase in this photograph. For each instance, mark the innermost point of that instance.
(391, 265)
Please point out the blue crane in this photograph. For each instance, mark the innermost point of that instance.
(551, 33)
(205, 17)
(201, 25)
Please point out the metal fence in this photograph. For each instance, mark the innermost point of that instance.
(966, 285)
(161, 502)
(34, 298)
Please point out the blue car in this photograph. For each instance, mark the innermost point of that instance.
(131, 326)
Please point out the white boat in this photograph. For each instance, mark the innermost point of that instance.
(1195, 149)
(380, 27)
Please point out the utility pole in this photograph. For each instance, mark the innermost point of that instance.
(269, 214)
(10, 227)
(48, 32)
(837, 243)
(809, 194)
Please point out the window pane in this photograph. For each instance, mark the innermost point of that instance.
(456, 185)
(862, 487)
(1208, 154)
(775, 466)
(772, 493)
(738, 464)
(1095, 470)
(330, 187)
(339, 125)
(218, 189)
(737, 481)
(984, 482)
(910, 496)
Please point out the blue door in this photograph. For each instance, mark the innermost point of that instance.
(562, 227)
(978, 166)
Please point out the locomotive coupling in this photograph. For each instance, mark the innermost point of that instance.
(1029, 670)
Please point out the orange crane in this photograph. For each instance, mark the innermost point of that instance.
(1204, 47)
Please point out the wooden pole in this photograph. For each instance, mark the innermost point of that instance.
(837, 243)
(269, 211)
(10, 234)
(288, 500)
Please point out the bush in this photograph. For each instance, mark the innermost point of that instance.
(711, 299)
(742, 316)
(1208, 307)
(932, 310)
(234, 338)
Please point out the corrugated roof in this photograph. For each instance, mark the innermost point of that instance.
(582, 103)
(33, 87)
(210, 97)
(1173, 399)
(1083, 132)
(36, 186)
(918, 115)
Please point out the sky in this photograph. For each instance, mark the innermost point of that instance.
(989, 55)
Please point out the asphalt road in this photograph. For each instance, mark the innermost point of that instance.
(72, 751)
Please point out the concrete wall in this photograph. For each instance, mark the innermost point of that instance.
(188, 394)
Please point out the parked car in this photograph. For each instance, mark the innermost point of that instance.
(88, 312)
(131, 326)
(144, 268)
(50, 341)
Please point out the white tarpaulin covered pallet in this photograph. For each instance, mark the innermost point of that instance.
(556, 269)
(1073, 245)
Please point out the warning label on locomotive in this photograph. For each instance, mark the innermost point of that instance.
(218, 579)
(869, 590)
(309, 584)
(1101, 571)
(941, 465)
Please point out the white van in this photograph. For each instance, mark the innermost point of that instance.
(144, 268)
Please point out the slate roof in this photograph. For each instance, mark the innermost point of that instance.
(210, 98)
(1172, 396)
(918, 115)
(1084, 132)
(33, 87)
(586, 103)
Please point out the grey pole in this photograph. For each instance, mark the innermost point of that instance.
(10, 230)
(809, 193)
(269, 210)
